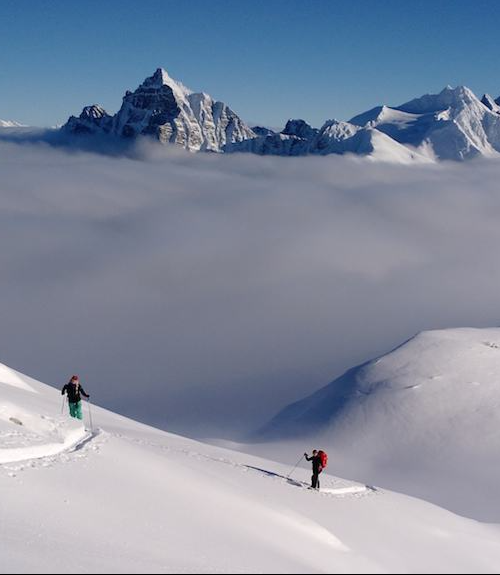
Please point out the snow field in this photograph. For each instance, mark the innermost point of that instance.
(136, 499)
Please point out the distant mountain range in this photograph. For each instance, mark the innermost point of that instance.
(452, 125)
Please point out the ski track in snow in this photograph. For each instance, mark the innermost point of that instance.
(89, 443)
(332, 487)
(92, 442)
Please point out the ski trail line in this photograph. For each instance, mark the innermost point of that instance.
(23, 454)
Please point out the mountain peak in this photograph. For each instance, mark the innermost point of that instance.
(164, 109)
(458, 91)
(162, 78)
(93, 119)
(432, 103)
(94, 112)
(490, 103)
(300, 129)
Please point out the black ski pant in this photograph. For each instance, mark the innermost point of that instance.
(315, 480)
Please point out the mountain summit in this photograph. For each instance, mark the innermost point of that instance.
(167, 111)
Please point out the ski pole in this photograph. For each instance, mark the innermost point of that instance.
(298, 463)
(90, 416)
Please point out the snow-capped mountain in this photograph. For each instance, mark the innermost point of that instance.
(454, 124)
(300, 129)
(451, 125)
(418, 419)
(136, 499)
(94, 119)
(334, 137)
(342, 137)
(169, 112)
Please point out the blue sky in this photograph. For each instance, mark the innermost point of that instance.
(270, 60)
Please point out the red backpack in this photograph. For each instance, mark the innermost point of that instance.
(324, 458)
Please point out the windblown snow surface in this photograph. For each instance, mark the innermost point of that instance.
(129, 498)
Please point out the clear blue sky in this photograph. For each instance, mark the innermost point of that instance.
(268, 59)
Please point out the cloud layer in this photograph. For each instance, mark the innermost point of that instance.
(202, 293)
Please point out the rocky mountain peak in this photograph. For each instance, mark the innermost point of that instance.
(300, 129)
(490, 103)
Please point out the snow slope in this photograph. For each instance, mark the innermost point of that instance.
(368, 142)
(134, 499)
(423, 419)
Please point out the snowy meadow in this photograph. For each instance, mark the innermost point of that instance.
(202, 293)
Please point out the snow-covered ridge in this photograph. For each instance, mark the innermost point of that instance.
(454, 124)
(420, 418)
(451, 125)
(446, 362)
(13, 378)
(136, 499)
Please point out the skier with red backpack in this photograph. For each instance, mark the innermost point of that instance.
(319, 462)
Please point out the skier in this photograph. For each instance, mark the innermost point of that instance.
(317, 466)
(74, 391)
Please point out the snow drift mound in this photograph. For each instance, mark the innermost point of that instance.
(423, 419)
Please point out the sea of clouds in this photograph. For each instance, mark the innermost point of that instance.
(202, 293)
